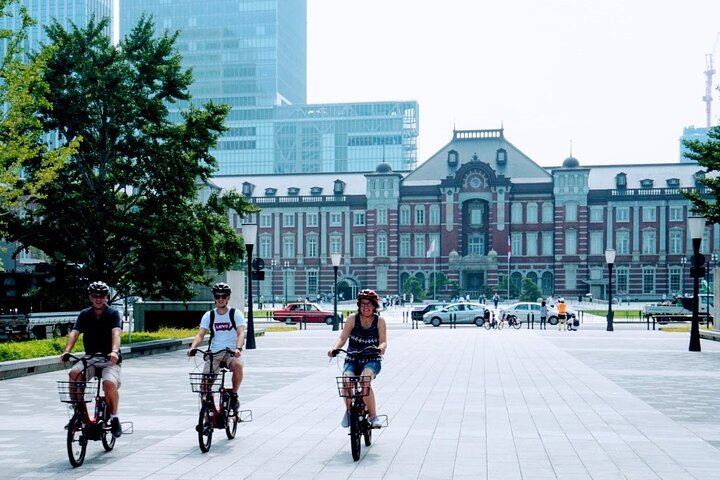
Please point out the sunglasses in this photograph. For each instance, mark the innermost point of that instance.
(222, 296)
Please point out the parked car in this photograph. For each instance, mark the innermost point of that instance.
(418, 312)
(524, 310)
(464, 312)
(303, 311)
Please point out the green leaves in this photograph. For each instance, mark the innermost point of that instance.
(124, 207)
(707, 154)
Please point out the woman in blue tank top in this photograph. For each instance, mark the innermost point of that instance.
(366, 328)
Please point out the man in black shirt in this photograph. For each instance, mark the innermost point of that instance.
(101, 326)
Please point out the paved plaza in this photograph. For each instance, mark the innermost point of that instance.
(462, 403)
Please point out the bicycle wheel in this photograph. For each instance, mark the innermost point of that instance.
(76, 441)
(488, 325)
(517, 324)
(108, 439)
(231, 423)
(355, 434)
(205, 428)
(500, 325)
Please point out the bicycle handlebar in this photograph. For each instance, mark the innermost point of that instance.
(209, 354)
(66, 357)
(368, 349)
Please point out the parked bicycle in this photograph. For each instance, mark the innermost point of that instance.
(512, 321)
(216, 411)
(355, 388)
(83, 426)
(491, 321)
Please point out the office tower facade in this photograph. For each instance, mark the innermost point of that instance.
(251, 55)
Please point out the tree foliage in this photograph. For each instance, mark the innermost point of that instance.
(23, 93)
(530, 291)
(707, 154)
(126, 206)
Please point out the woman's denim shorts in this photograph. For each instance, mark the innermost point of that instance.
(356, 368)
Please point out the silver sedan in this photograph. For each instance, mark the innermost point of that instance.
(464, 312)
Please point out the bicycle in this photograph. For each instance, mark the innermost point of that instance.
(355, 388)
(214, 415)
(82, 426)
(512, 321)
(491, 322)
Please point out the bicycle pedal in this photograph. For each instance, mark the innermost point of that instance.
(128, 428)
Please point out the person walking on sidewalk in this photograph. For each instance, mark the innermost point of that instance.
(220, 322)
(543, 315)
(364, 328)
(101, 326)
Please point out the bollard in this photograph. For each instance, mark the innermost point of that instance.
(532, 320)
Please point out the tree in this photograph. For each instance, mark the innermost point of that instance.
(23, 94)
(707, 154)
(530, 291)
(414, 287)
(502, 288)
(438, 283)
(125, 208)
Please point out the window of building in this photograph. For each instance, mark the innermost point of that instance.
(311, 246)
(676, 214)
(676, 241)
(419, 240)
(476, 215)
(548, 283)
(675, 280)
(622, 276)
(359, 246)
(404, 244)
(516, 213)
(265, 220)
(516, 244)
(312, 282)
(382, 216)
(597, 214)
(649, 214)
(359, 219)
(405, 215)
(382, 245)
(335, 244)
(476, 244)
(532, 213)
(622, 242)
(288, 219)
(705, 244)
(531, 244)
(434, 214)
(420, 215)
(311, 219)
(265, 246)
(596, 273)
(547, 243)
(288, 246)
(570, 241)
(597, 243)
(335, 219)
(649, 242)
(547, 212)
(570, 278)
(571, 212)
(648, 280)
(622, 214)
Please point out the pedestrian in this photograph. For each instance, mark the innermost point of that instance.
(543, 315)
(496, 299)
(364, 328)
(562, 314)
(220, 322)
(101, 327)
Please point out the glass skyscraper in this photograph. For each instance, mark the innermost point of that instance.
(251, 55)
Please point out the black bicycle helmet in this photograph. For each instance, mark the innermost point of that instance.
(99, 288)
(221, 287)
(369, 295)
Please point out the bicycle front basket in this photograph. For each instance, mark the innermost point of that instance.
(76, 392)
(351, 387)
(204, 382)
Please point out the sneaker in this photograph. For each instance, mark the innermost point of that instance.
(346, 420)
(375, 422)
(234, 402)
(115, 427)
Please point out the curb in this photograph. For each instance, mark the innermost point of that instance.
(32, 366)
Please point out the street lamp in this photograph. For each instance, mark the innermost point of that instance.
(610, 259)
(335, 259)
(696, 227)
(249, 232)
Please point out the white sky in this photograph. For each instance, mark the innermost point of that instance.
(620, 78)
